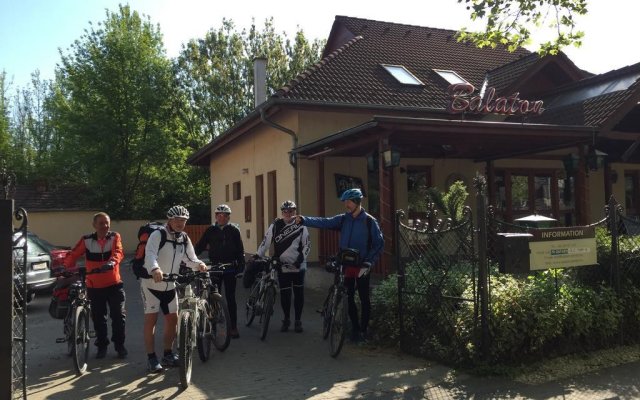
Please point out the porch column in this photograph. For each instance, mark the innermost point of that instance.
(582, 189)
(322, 237)
(387, 212)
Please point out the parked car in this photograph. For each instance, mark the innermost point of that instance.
(42, 258)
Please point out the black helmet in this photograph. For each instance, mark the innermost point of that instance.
(178, 212)
(287, 205)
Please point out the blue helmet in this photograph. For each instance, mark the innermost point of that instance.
(351, 194)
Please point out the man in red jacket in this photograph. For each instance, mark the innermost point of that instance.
(105, 288)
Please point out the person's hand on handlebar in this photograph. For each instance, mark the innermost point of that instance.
(108, 266)
(366, 268)
(202, 267)
(156, 274)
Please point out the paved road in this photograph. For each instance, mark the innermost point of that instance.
(285, 366)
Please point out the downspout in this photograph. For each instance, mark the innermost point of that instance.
(292, 157)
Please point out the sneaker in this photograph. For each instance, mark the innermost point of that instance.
(153, 365)
(122, 351)
(298, 327)
(234, 333)
(170, 360)
(285, 325)
(102, 352)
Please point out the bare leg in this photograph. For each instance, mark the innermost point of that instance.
(149, 331)
(170, 328)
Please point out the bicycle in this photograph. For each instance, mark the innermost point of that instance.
(334, 309)
(213, 325)
(190, 309)
(77, 334)
(262, 296)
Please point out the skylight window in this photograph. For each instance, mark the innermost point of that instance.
(450, 76)
(402, 74)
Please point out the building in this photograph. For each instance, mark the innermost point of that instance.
(396, 108)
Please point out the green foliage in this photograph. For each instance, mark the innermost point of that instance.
(545, 314)
(4, 121)
(215, 73)
(451, 203)
(510, 23)
(116, 101)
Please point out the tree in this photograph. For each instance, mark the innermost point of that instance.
(115, 100)
(216, 73)
(4, 123)
(510, 22)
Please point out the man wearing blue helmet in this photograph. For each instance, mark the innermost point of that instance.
(361, 235)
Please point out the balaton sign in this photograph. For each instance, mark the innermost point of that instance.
(462, 100)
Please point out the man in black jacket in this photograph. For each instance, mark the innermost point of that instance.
(224, 243)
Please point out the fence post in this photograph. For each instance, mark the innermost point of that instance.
(401, 274)
(615, 260)
(480, 183)
(6, 298)
(614, 221)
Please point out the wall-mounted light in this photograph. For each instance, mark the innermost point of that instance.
(391, 158)
(595, 158)
(245, 171)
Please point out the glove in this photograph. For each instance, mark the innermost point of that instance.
(366, 268)
(108, 266)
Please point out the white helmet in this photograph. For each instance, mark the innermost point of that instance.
(223, 208)
(178, 212)
(287, 205)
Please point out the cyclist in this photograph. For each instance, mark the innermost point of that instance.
(359, 231)
(224, 242)
(291, 245)
(166, 248)
(104, 289)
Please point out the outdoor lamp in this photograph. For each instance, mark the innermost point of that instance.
(391, 158)
(595, 158)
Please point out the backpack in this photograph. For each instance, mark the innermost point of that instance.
(137, 264)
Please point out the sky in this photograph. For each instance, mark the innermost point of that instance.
(32, 31)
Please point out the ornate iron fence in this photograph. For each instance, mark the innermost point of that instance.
(19, 307)
(437, 273)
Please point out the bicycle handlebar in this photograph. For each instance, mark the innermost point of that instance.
(61, 271)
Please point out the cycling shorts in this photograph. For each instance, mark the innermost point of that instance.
(156, 300)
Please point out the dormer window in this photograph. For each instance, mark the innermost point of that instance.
(450, 76)
(402, 75)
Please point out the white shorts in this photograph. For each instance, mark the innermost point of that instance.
(155, 301)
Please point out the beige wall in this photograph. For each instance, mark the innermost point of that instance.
(316, 125)
(65, 228)
(265, 149)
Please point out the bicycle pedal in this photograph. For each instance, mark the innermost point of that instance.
(92, 334)
(61, 340)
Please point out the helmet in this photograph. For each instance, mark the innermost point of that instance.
(223, 208)
(287, 205)
(178, 212)
(351, 194)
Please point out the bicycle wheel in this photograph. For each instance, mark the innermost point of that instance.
(220, 323)
(338, 324)
(68, 330)
(325, 314)
(185, 348)
(250, 307)
(269, 301)
(203, 333)
(80, 339)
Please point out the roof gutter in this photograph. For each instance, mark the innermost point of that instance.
(293, 159)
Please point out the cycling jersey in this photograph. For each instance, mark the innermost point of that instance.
(98, 252)
(225, 246)
(290, 242)
(177, 248)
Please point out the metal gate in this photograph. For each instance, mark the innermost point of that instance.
(13, 292)
(438, 272)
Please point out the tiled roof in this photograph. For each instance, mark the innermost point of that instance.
(52, 198)
(352, 72)
(504, 76)
(593, 111)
